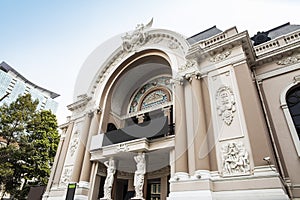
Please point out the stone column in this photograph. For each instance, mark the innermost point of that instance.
(96, 186)
(181, 156)
(199, 123)
(164, 187)
(64, 150)
(92, 191)
(86, 165)
(81, 147)
(55, 163)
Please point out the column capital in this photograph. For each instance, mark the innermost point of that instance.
(193, 75)
(178, 80)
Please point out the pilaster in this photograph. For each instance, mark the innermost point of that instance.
(181, 155)
(81, 147)
(199, 123)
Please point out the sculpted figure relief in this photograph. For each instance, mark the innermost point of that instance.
(137, 38)
(139, 175)
(111, 170)
(235, 159)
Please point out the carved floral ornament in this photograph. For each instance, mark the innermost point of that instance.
(289, 60)
(65, 178)
(235, 159)
(74, 143)
(225, 104)
(189, 64)
(221, 56)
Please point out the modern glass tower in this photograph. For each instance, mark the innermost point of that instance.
(13, 84)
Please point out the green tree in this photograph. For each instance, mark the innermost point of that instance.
(31, 137)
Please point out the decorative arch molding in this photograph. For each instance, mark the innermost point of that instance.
(287, 114)
(161, 85)
(172, 44)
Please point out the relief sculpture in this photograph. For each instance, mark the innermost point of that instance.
(235, 159)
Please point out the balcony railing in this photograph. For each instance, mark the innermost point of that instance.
(154, 128)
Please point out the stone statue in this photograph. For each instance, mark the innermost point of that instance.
(139, 175)
(111, 170)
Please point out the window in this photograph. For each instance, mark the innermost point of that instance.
(155, 191)
(290, 104)
(293, 103)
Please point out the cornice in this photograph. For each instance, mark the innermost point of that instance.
(83, 101)
(278, 48)
(221, 48)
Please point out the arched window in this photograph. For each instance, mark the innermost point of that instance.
(293, 103)
(151, 95)
(290, 104)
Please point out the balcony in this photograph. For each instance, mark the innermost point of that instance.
(150, 129)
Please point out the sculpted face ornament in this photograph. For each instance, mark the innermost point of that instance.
(225, 104)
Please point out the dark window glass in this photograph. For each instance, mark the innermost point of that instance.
(293, 102)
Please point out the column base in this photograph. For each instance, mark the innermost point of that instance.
(137, 198)
(191, 195)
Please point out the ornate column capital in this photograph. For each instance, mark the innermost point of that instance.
(178, 80)
(193, 75)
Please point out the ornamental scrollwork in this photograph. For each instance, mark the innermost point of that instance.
(220, 56)
(74, 143)
(65, 178)
(137, 38)
(122, 148)
(235, 159)
(225, 104)
(289, 60)
(189, 64)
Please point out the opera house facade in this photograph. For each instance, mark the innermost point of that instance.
(157, 115)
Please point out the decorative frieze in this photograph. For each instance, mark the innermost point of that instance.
(289, 60)
(225, 104)
(189, 64)
(235, 159)
(221, 56)
(122, 147)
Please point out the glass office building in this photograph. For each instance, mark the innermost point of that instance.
(14, 84)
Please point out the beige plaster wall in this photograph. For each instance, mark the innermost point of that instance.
(256, 124)
(272, 89)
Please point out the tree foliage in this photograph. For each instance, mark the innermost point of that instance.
(31, 138)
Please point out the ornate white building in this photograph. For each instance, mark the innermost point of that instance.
(213, 116)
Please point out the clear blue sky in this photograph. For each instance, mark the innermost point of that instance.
(48, 40)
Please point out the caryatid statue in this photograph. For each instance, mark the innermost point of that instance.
(139, 175)
(111, 170)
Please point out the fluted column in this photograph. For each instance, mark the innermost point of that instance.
(199, 123)
(64, 150)
(81, 147)
(181, 155)
(86, 165)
